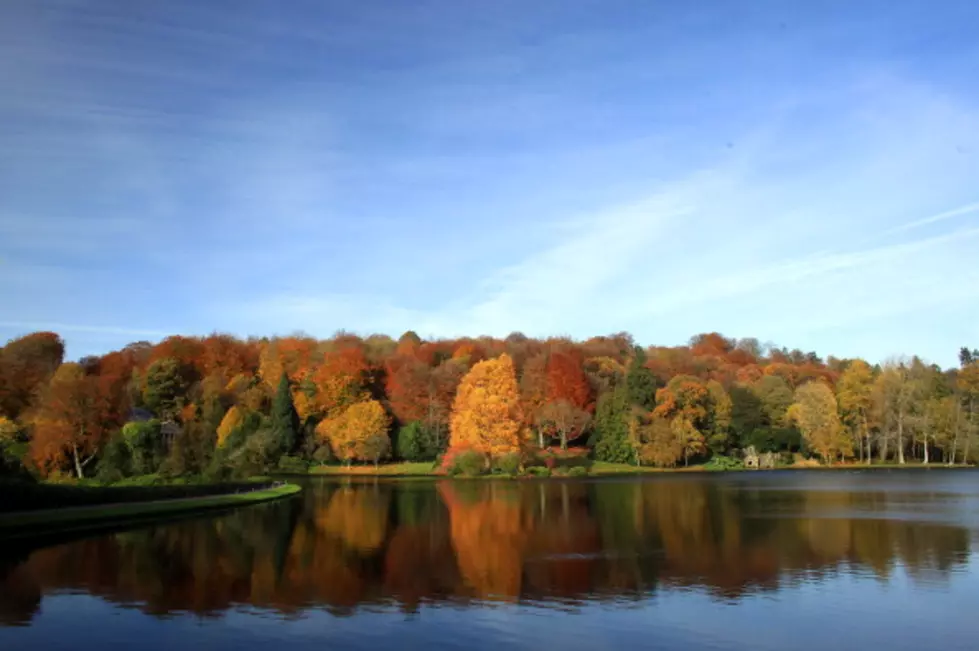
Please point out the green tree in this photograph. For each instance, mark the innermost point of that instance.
(776, 397)
(640, 381)
(146, 445)
(284, 419)
(415, 442)
(718, 418)
(611, 440)
(165, 387)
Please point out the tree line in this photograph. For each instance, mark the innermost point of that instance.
(225, 406)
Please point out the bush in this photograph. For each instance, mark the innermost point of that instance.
(293, 465)
(323, 454)
(578, 471)
(539, 471)
(116, 461)
(508, 464)
(720, 463)
(468, 463)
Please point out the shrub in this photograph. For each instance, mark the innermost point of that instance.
(508, 464)
(414, 443)
(116, 461)
(578, 471)
(720, 463)
(466, 462)
(323, 454)
(539, 471)
(293, 465)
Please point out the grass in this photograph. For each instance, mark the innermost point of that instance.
(25, 523)
(404, 469)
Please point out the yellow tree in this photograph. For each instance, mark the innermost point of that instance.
(486, 415)
(231, 420)
(968, 385)
(685, 402)
(855, 393)
(359, 432)
(814, 412)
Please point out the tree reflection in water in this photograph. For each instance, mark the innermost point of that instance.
(345, 545)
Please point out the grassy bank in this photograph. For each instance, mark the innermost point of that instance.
(594, 469)
(24, 523)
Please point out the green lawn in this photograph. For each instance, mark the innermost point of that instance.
(405, 469)
(23, 523)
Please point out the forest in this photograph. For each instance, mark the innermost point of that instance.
(223, 407)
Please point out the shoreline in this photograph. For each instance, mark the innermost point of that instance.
(21, 524)
(412, 471)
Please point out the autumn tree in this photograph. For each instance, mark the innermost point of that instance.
(566, 380)
(854, 391)
(563, 420)
(340, 381)
(686, 403)
(486, 415)
(359, 432)
(71, 422)
(26, 365)
(231, 421)
(659, 442)
(815, 412)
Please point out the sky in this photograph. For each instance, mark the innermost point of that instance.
(802, 173)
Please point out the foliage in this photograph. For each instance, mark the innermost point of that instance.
(292, 465)
(814, 411)
(611, 440)
(415, 443)
(660, 442)
(358, 433)
(146, 445)
(468, 463)
(539, 471)
(72, 421)
(487, 416)
(165, 387)
(640, 381)
(8, 430)
(283, 419)
(719, 462)
(26, 365)
(232, 420)
(116, 461)
(508, 464)
(578, 471)
(563, 420)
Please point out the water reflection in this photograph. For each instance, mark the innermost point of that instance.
(346, 545)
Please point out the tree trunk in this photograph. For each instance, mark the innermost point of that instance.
(564, 440)
(958, 428)
(968, 429)
(882, 448)
(78, 465)
(900, 438)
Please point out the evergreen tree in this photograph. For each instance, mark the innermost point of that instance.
(611, 432)
(640, 381)
(284, 419)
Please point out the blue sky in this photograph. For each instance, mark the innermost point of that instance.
(803, 173)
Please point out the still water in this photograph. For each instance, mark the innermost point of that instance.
(774, 560)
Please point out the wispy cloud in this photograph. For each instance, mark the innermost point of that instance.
(967, 209)
(30, 326)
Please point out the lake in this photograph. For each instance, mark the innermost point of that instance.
(881, 559)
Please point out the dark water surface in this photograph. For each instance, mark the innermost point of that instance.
(778, 560)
